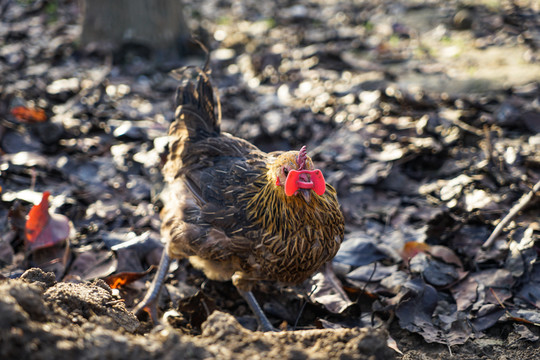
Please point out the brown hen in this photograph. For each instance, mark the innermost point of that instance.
(237, 212)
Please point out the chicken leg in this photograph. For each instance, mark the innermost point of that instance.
(262, 320)
(150, 301)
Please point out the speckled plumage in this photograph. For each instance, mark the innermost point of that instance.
(224, 210)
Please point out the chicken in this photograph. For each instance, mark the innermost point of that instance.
(238, 213)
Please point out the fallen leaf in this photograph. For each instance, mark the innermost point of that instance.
(530, 291)
(116, 281)
(525, 333)
(394, 282)
(521, 255)
(465, 293)
(437, 273)
(359, 251)
(326, 289)
(445, 254)
(135, 252)
(487, 316)
(413, 248)
(29, 115)
(372, 272)
(421, 311)
(44, 229)
(93, 264)
(417, 305)
(52, 259)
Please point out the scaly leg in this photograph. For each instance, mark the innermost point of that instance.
(150, 301)
(264, 323)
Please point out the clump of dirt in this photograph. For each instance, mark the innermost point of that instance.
(43, 319)
(226, 338)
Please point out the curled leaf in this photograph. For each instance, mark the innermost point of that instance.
(326, 289)
(44, 229)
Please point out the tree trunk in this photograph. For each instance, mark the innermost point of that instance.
(158, 25)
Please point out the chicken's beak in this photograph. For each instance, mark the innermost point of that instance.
(306, 194)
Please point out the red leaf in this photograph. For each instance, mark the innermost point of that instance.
(29, 115)
(38, 217)
(44, 229)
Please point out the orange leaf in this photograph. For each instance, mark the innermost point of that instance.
(44, 229)
(413, 248)
(116, 281)
(29, 115)
(38, 217)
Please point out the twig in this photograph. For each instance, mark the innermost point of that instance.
(114, 302)
(449, 348)
(466, 127)
(304, 306)
(370, 277)
(513, 212)
(489, 146)
(508, 314)
(499, 301)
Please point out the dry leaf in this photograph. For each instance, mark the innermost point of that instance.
(44, 229)
(326, 289)
(29, 115)
(116, 281)
(413, 248)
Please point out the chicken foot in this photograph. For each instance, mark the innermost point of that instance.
(262, 320)
(150, 301)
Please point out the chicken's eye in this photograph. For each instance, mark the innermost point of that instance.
(285, 171)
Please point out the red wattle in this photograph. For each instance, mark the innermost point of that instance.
(291, 185)
(317, 183)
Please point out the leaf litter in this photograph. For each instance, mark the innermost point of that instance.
(425, 172)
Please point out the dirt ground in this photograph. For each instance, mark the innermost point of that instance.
(44, 319)
(423, 114)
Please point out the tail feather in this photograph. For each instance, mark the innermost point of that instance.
(196, 108)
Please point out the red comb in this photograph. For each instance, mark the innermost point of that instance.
(301, 159)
